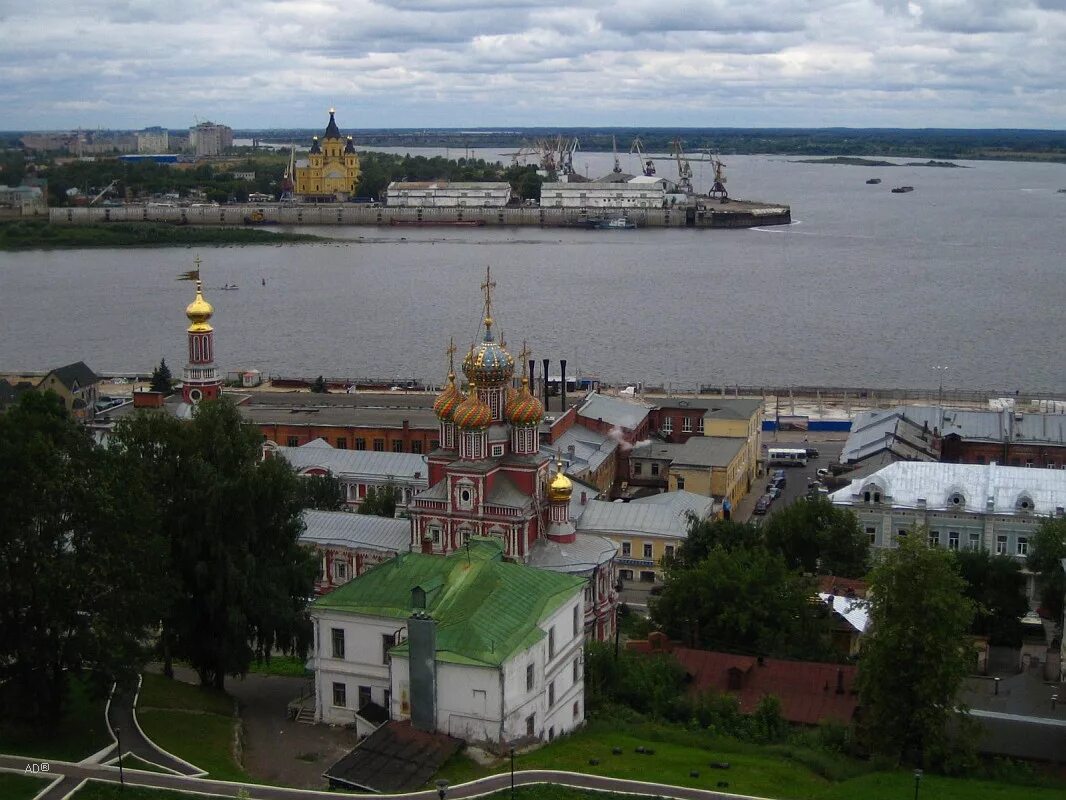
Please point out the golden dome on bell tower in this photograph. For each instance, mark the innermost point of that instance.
(199, 311)
(560, 487)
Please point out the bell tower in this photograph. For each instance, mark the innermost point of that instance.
(200, 379)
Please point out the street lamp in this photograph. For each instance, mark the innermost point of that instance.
(121, 775)
(442, 788)
(940, 393)
(917, 782)
(512, 773)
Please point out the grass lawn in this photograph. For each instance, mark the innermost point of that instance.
(288, 666)
(766, 771)
(193, 723)
(81, 732)
(20, 787)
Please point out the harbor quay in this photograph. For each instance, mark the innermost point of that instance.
(731, 214)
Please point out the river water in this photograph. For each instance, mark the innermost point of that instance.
(866, 288)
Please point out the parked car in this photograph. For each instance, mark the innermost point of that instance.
(762, 505)
(823, 473)
(812, 452)
(773, 492)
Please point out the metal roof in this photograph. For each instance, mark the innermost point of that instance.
(698, 451)
(614, 411)
(344, 529)
(978, 488)
(854, 610)
(462, 185)
(643, 518)
(486, 609)
(408, 467)
(715, 407)
(591, 449)
(582, 555)
(342, 416)
(628, 188)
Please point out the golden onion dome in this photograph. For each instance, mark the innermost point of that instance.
(523, 409)
(560, 487)
(488, 363)
(199, 311)
(473, 413)
(448, 400)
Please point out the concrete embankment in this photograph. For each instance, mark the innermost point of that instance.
(734, 214)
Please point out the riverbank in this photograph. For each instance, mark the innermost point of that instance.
(40, 235)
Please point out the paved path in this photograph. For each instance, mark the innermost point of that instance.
(494, 783)
(122, 715)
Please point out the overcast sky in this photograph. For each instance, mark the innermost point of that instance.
(454, 63)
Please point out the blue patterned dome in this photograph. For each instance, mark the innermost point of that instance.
(488, 364)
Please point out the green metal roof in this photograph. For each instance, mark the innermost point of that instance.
(486, 609)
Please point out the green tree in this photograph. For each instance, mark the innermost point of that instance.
(76, 569)
(745, 599)
(322, 492)
(1046, 552)
(647, 683)
(704, 535)
(817, 537)
(996, 586)
(918, 653)
(380, 502)
(240, 579)
(162, 380)
(318, 386)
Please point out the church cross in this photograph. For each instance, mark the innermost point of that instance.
(523, 356)
(450, 350)
(487, 288)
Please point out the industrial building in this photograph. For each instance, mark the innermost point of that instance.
(447, 194)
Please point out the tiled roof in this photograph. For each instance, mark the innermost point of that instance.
(343, 529)
(614, 411)
(644, 518)
(408, 467)
(486, 609)
(807, 689)
(979, 488)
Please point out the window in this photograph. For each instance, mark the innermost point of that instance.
(531, 725)
(626, 549)
(975, 541)
(1022, 548)
(388, 641)
(901, 533)
(388, 703)
(342, 442)
(699, 425)
(872, 533)
(529, 678)
(647, 576)
(497, 450)
(340, 570)
(360, 443)
(1029, 463)
(434, 444)
(934, 538)
(668, 424)
(379, 445)
(669, 551)
(1001, 545)
(551, 694)
(577, 710)
(397, 446)
(625, 574)
(416, 447)
(575, 671)
(340, 695)
(647, 550)
(654, 468)
(1051, 465)
(680, 482)
(551, 642)
(434, 534)
(364, 695)
(294, 441)
(576, 610)
(338, 642)
(686, 424)
(957, 500)
(953, 540)
(636, 468)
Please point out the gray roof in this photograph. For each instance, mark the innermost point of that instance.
(76, 375)
(984, 488)
(614, 411)
(880, 432)
(643, 518)
(602, 185)
(721, 407)
(342, 416)
(344, 529)
(698, 451)
(505, 493)
(591, 449)
(296, 399)
(405, 467)
(581, 556)
(872, 429)
(461, 185)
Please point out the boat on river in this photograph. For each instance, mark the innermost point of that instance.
(902, 189)
(874, 181)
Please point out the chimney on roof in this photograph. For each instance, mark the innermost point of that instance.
(546, 362)
(840, 681)
(422, 641)
(584, 498)
(562, 384)
(533, 376)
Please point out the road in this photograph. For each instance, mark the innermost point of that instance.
(796, 477)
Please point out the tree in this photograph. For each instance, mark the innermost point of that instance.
(322, 492)
(380, 502)
(704, 535)
(1047, 550)
(162, 380)
(239, 577)
(918, 653)
(76, 570)
(817, 537)
(318, 386)
(646, 683)
(996, 586)
(745, 599)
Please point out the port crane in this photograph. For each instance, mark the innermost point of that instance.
(103, 191)
(684, 168)
(647, 164)
(718, 188)
(614, 149)
(566, 155)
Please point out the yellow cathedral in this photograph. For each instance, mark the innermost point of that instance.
(332, 170)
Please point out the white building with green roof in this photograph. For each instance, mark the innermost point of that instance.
(468, 644)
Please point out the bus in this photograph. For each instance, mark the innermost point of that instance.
(787, 456)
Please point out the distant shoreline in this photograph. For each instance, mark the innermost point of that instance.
(854, 161)
(39, 235)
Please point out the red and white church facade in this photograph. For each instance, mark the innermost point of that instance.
(200, 379)
(489, 478)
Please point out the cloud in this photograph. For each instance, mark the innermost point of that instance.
(440, 63)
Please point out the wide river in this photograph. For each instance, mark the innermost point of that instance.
(866, 288)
